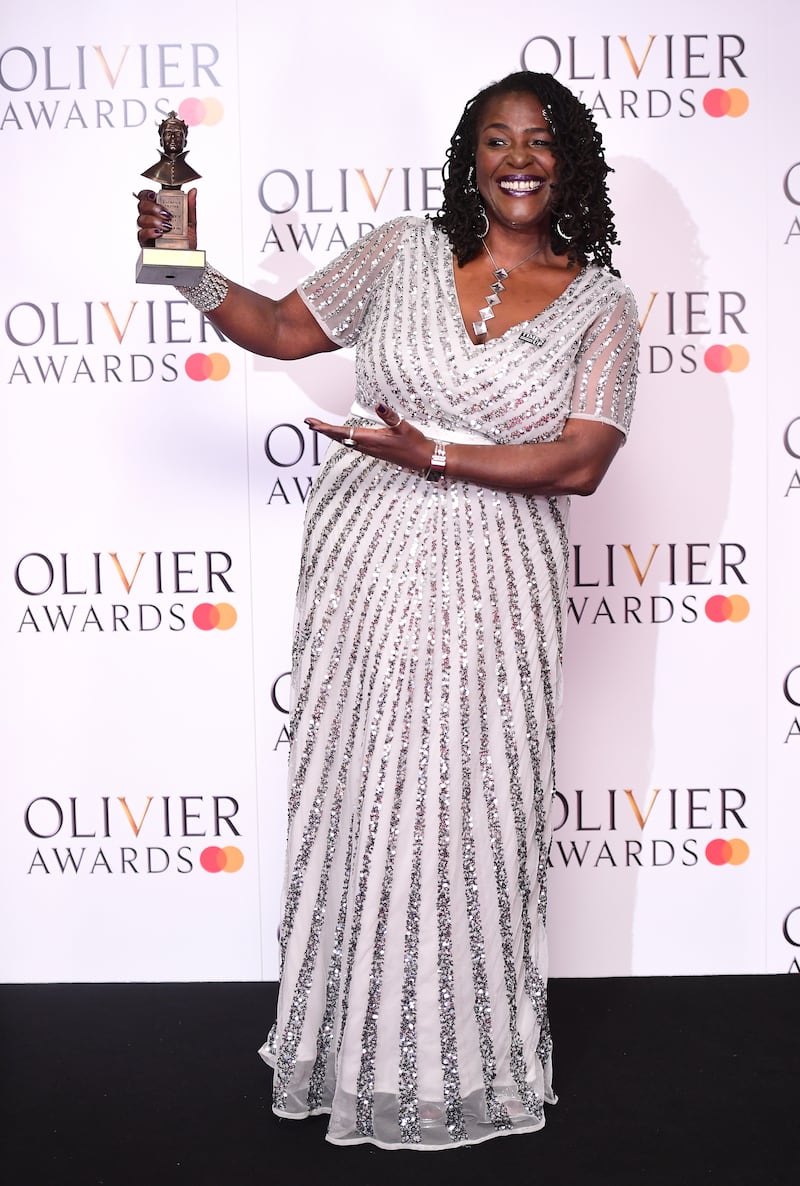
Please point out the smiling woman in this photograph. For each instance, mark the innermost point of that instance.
(495, 375)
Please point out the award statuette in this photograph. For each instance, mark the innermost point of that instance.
(172, 261)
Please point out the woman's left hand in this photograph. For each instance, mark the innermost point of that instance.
(399, 443)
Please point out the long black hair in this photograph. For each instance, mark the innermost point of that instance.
(581, 209)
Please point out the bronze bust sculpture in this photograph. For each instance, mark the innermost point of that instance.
(172, 170)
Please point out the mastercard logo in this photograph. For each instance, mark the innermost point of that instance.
(201, 111)
(726, 358)
(733, 102)
(207, 366)
(222, 860)
(727, 609)
(727, 852)
(214, 617)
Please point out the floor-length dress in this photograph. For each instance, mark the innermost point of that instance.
(426, 685)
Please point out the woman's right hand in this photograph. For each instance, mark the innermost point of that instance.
(154, 220)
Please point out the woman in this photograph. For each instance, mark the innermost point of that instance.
(429, 627)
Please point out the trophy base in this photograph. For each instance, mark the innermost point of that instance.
(170, 266)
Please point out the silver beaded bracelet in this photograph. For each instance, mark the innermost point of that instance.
(209, 292)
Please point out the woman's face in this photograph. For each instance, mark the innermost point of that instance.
(515, 167)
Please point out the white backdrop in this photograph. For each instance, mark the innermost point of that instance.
(153, 514)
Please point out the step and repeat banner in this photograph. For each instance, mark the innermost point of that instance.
(155, 475)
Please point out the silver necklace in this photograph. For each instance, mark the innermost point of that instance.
(493, 298)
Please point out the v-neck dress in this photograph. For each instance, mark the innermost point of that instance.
(425, 690)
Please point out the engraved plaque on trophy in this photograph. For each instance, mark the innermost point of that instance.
(172, 260)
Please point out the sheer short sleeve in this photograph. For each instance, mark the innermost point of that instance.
(605, 382)
(339, 294)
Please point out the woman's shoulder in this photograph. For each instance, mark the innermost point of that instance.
(603, 279)
(403, 227)
(411, 236)
(606, 287)
(386, 240)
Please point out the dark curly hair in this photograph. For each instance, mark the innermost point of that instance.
(581, 206)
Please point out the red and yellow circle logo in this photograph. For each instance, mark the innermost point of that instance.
(726, 358)
(201, 111)
(718, 102)
(221, 616)
(727, 609)
(727, 852)
(222, 860)
(207, 366)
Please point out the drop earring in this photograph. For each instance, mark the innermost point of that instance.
(560, 231)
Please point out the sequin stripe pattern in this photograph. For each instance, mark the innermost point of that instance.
(326, 516)
(483, 1003)
(290, 1037)
(315, 644)
(498, 1113)
(365, 1088)
(394, 614)
(533, 983)
(504, 415)
(408, 1114)
(556, 583)
(454, 1113)
(406, 364)
(424, 378)
(559, 516)
(526, 400)
(626, 358)
(373, 475)
(367, 477)
(291, 1034)
(316, 1081)
(407, 1089)
(296, 879)
(288, 1043)
(437, 385)
(341, 478)
(556, 568)
(356, 679)
(325, 1034)
(405, 382)
(338, 297)
(609, 351)
(556, 563)
(559, 510)
(513, 393)
(517, 1057)
(343, 490)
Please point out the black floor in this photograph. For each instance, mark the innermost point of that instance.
(667, 1082)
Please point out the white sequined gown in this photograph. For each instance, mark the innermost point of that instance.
(426, 684)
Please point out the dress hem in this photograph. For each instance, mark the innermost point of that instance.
(418, 1147)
